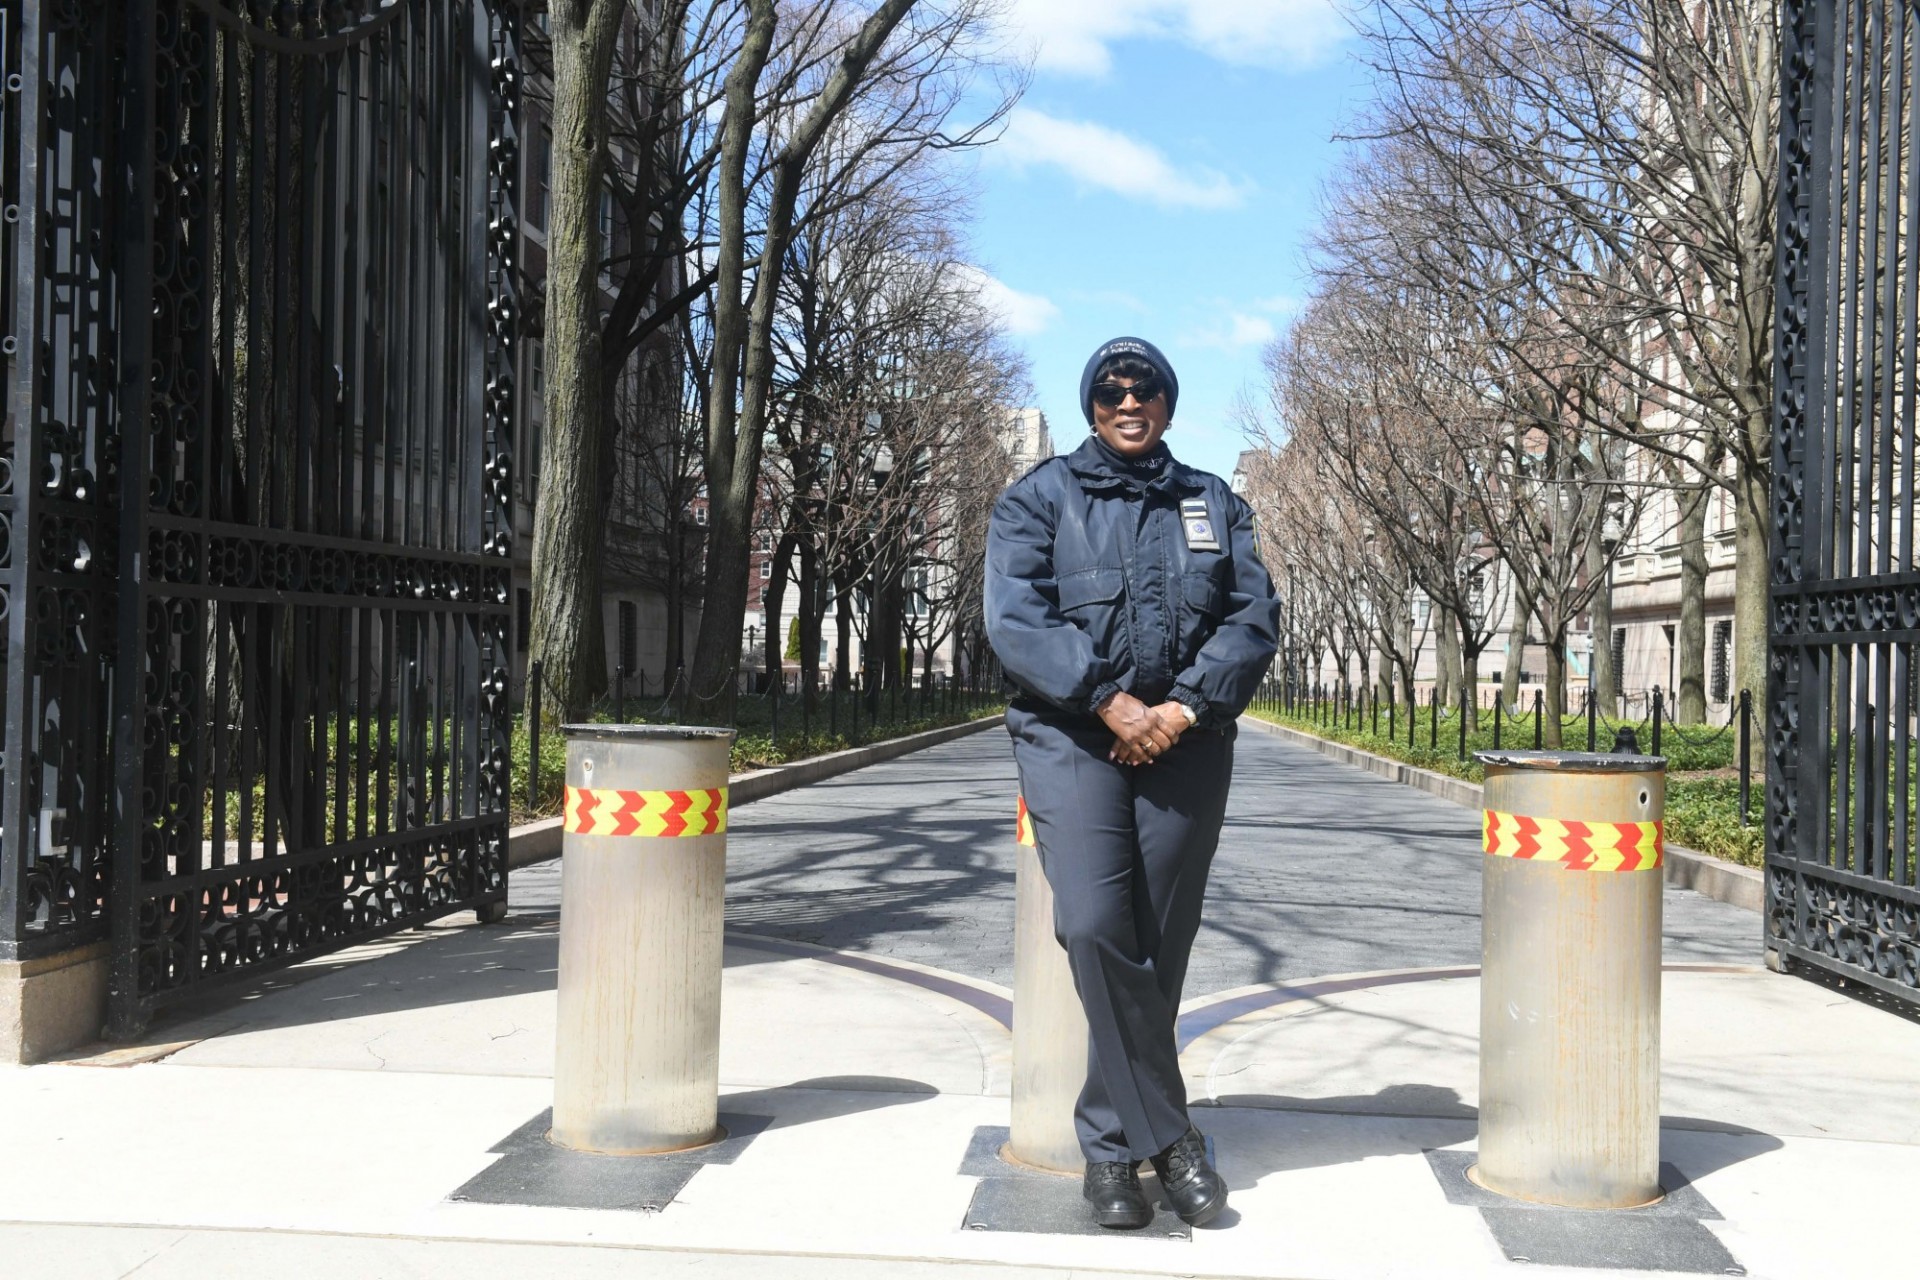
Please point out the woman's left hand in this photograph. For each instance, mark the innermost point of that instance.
(1169, 719)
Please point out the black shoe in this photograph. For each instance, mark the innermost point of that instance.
(1195, 1191)
(1112, 1187)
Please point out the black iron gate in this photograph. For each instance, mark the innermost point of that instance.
(255, 482)
(1843, 808)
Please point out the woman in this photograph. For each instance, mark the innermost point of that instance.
(1126, 601)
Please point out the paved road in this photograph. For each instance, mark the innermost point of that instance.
(1322, 869)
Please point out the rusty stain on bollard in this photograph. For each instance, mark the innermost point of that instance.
(642, 898)
(1049, 1027)
(1570, 978)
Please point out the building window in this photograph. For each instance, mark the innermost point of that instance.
(1722, 660)
(540, 180)
(766, 570)
(916, 601)
(1619, 657)
(522, 619)
(629, 636)
(536, 415)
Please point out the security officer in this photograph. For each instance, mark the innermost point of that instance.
(1125, 599)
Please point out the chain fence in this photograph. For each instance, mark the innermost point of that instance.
(1480, 722)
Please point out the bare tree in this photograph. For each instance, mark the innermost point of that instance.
(901, 74)
(1622, 149)
(1353, 381)
(682, 130)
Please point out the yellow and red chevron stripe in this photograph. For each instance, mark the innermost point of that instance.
(1577, 846)
(1023, 825)
(605, 812)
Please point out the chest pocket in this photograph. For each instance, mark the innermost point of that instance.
(1085, 591)
(1204, 596)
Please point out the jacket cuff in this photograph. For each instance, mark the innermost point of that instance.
(1106, 690)
(1188, 696)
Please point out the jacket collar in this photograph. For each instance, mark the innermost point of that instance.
(1099, 468)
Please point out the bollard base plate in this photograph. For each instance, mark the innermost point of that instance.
(714, 1139)
(1668, 1235)
(1473, 1176)
(532, 1170)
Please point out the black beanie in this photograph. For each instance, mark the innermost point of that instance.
(1127, 347)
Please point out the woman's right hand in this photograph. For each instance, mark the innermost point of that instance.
(1140, 733)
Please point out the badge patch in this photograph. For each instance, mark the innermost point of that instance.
(1198, 523)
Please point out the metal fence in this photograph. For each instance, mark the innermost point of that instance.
(1486, 722)
(793, 716)
(1841, 705)
(256, 482)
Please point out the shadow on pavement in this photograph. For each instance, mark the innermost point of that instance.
(826, 1098)
(419, 969)
(1455, 1121)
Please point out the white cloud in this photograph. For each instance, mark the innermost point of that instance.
(1284, 305)
(1074, 36)
(1251, 331)
(1239, 330)
(1023, 313)
(1112, 161)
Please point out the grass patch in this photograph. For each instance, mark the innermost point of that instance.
(1703, 784)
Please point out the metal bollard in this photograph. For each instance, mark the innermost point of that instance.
(1049, 1026)
(1570, 978)
(642, 884)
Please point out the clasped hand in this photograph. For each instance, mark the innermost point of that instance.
(1141, 734)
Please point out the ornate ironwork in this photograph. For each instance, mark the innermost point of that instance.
(1844, 687)
(258, 480)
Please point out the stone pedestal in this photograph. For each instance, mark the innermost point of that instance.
(52, 1003)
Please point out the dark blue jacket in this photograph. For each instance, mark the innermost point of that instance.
(1092, 587)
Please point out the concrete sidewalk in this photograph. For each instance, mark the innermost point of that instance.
(376, 1113)
(326, 1128)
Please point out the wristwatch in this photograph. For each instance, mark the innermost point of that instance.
(1193, 717)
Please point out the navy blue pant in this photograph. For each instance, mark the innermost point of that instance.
(1126, 849)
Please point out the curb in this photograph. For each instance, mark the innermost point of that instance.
(539, 841)
(1711, 877)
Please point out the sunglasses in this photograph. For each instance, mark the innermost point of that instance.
(1113, 395)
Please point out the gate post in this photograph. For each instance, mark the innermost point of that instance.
(642, 885)
(1049, 1027)
(1570, 978)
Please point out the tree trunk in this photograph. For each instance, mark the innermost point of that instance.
(1691, 638)
(810, 611)
(675, 654)
(1412, 660)
(1469, 680)
(1601, 676)
(1446, 675)
(1556, 696)
(576, 451)
(773, 598)
(843, 653)
(743, 353)
(1753, 527)
(1516, 648)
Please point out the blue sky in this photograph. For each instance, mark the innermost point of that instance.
(1159, 179)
